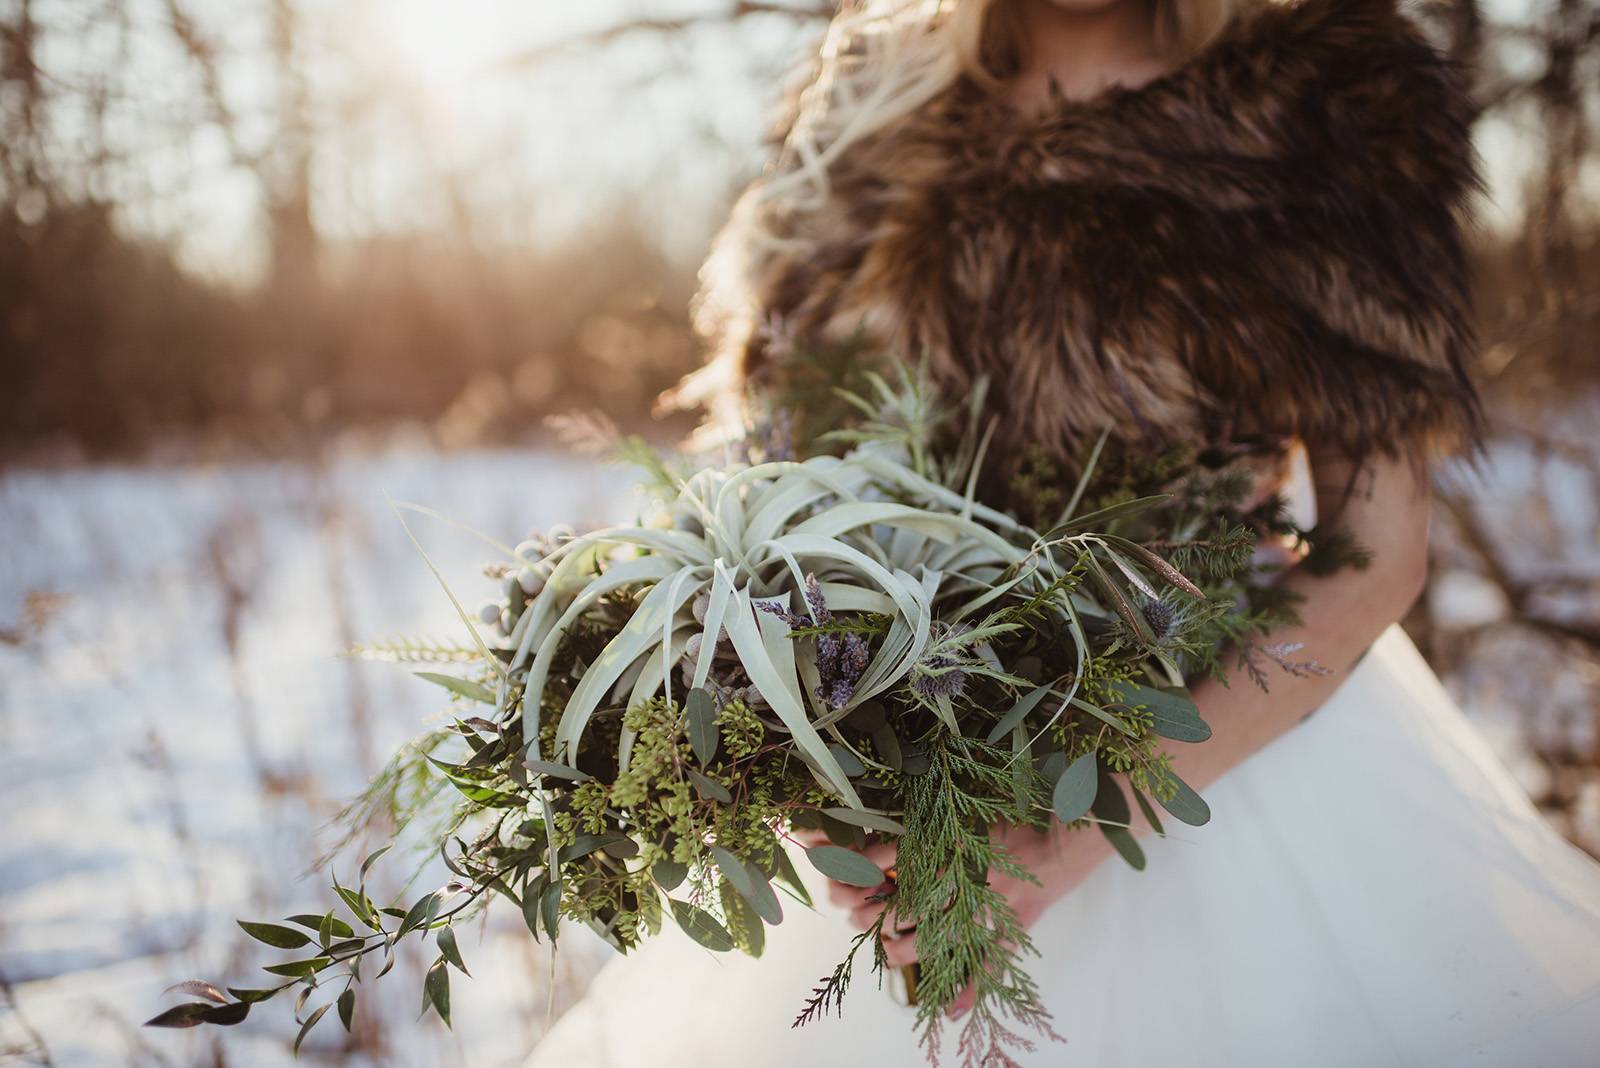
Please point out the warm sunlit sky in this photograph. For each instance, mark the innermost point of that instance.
(432, 104)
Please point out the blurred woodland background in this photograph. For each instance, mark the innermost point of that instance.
(261, 259)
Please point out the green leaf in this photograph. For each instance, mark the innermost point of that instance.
(669, 874)
(338, 929)
(872, 821)
(887, 744)
(359, 904)
(550, 909)
(1112, 806)
(189, 1014)
(585, 844)
(709, 787)
(845, 866)
(701, 926)
(299, 969)
(366, 865)
(554, 770)
(744, 926)
(786, 875)
(436, 990)
(472, 691)
(1017, 713)
(751, 885)
(1149, 812)
(1186, 805)
(530, 905)
(841, 833)
(848, 761)
(419, 914)
(195, 1013)
(253, 996)
(274, 935)
(305, 1028)
(347, 1006)
(702, 715)
(1076, 789)
(1173, 715)
(446, 939)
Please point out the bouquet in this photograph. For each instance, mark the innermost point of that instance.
(830, 635)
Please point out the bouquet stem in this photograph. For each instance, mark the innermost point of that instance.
(910, 974)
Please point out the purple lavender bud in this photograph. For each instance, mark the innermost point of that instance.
(819, 607)
(775, 609)
(853, 658)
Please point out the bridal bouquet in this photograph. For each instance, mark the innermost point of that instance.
(833, 637)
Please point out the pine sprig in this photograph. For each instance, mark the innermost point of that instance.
(966, 930)
(829, 993)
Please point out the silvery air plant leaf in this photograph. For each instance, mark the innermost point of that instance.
(828, 636)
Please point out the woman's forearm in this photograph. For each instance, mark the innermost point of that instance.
(1342, 614)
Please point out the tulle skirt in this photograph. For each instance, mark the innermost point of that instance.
(1373, 889)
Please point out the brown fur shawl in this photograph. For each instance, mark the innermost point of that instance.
(1265, 240)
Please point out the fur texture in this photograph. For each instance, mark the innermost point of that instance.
(1266, 240)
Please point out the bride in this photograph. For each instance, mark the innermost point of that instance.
(1221, 222)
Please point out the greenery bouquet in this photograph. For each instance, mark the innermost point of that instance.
(836, 637)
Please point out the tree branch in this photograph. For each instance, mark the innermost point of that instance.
(812, 12)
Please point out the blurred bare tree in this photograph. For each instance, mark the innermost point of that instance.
(110, 343)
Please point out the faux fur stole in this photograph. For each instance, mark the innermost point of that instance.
(1265, 240)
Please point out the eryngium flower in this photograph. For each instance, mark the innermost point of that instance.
(1160, 616)
(938, 676)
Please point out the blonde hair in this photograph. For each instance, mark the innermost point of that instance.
(879, 62)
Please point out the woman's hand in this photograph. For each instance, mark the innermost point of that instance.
(1060, 859)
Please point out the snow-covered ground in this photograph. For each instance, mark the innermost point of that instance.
(175, 727)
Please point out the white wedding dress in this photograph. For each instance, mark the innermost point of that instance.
(1374, 889)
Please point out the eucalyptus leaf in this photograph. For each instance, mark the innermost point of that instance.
(788, 877)
(1173, 714)
(1185, 805)
(1111, 806)
(701, 713)
(701, 926)
(887, 745)
(1075, 790)
(1017, 713)
(709, 787)
(1149, 812)
(744, 926)
(845, 866)
(750, 883)
(550, 909)
(558, 771)
(872, 821)
(669, 874)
